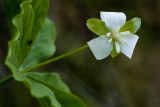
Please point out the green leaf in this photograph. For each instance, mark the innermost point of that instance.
(54, 83)
(12, 8)
(43, 47)
(97, 26)
(23, 53)
(114, 53)
(52, 78)
(42, 92)
(44, 102)
(30, 45)
(132, 25)
(66, 99)
(38, 90)
(40, 8)
(19, 45)
(25, 26)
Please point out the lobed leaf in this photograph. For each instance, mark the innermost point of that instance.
(60, 90)
(19, 45)
(51, 78)
(12, 8)
(43, 47)
(30, 45)
(22, 52)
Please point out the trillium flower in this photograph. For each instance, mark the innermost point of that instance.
(115, 35)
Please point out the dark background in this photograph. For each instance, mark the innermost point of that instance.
(118, 82)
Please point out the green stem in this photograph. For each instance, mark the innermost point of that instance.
(5, 80)
(55, 59)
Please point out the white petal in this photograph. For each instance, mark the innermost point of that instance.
(100, 47)
(128, 47)
(113, 20)
(117, 46)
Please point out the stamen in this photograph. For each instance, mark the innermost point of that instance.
(108, 34)
(122, 40)
(116, 36)
(117, 29)
(125, 33)
(110, 40)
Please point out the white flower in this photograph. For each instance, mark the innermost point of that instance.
(124, 41)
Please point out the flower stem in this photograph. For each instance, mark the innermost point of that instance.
(55, 59)
(10, 77)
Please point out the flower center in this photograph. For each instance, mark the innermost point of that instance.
(117, 36)
(114, 35)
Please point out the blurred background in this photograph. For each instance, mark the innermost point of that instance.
(118, 82)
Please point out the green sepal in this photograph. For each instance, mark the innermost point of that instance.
(114, 53)
(97, 26)
(132, 25)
